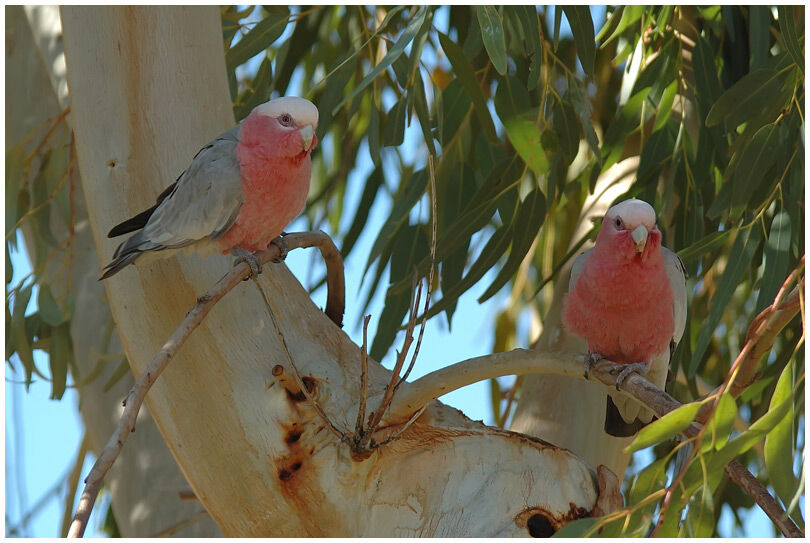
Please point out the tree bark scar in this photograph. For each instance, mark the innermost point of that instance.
(298, 483)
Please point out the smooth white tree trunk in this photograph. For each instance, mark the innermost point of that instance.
(146, 482)
(148, 89)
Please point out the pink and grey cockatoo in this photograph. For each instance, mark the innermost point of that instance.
(238, 193)
(627, 300)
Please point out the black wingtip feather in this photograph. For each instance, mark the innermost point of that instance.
(139, 221)
(616, 426)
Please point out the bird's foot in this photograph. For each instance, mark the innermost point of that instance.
(640, 368)
(281, 243)
(246, 256)
(590, 361)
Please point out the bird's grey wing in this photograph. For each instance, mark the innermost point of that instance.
(576, 268)
(205, 201)
(676, 273)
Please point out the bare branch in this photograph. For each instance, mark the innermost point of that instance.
(194, 317)
(364, 434)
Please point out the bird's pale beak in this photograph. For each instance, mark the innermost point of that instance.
(307, 133)
(639, 236)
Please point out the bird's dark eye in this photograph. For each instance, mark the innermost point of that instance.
(618, 222)
(286, 119)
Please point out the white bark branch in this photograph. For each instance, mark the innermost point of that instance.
(521, 361)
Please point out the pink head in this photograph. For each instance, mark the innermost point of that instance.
(629, 231)
(284, 127)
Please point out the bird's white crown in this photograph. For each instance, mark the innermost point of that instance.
(302, 110)
(633, 212)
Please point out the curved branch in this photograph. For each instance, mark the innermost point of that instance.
(442, 381)
(194, 317)
(521, 361)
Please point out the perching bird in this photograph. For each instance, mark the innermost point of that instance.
(236, 196)
(627, 300)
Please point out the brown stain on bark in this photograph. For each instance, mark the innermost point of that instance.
(298, 476)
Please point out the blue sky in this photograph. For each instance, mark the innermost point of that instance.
(42, 436)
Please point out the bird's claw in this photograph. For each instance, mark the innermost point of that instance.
(590, 361)
(623, 373)
(246, 256)
(281, 243)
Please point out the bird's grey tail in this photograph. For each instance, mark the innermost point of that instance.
(127, 253)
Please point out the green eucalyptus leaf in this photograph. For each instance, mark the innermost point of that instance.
(777, 254)
(779, 442)
(393, 53)
(566, 126)
(260, 37)
(370, 191)
(584, 527)
(758, 157)
(60, 353)
(529, 219)
(465, 74)
(409, 247)
(511, 98)
(665, 428)
(722, 423)
(525, 138)
(374, 135)
(411, 193)
(665, 106)
(760, 91)
(656, 153)
(456, 105)
(22, 340)
(495, 248)
(737, 446)
(703, 246)
(630, 18)
(579, 18)
(393, 132)
(707, 83)
(584, 110)
(791, 34)
(738, 260)
(15, 179)
(49, 310)
(492, 35)
(759, 22)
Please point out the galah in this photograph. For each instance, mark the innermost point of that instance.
(627, 300)
(236, 196)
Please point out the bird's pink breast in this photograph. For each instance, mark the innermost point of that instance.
(274, 186)
(622, 308)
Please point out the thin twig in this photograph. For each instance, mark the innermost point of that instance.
(363, 435)
(340, 434)
(137, 393)
(361, 412)
(434, 227)
(401, 431)
(758, 340)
